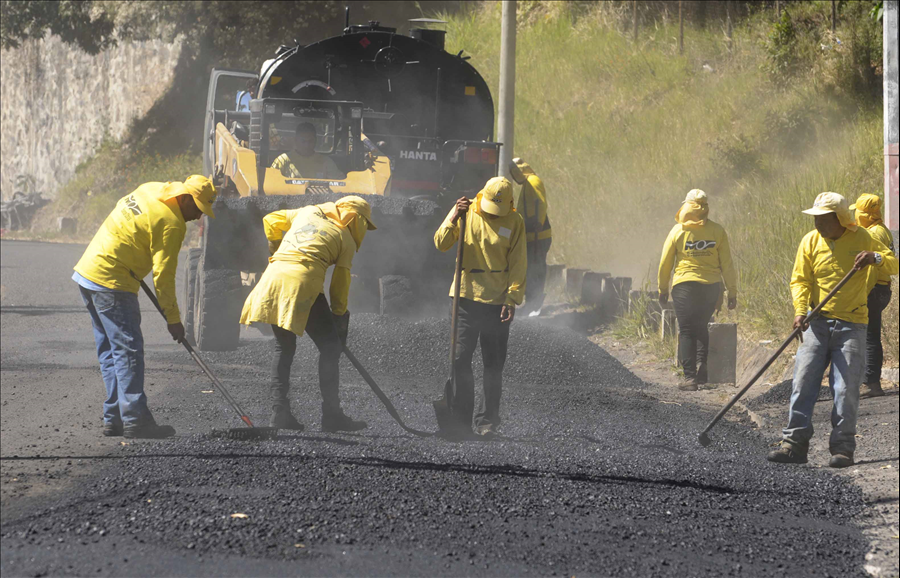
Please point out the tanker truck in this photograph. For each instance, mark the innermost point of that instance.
(408, 125)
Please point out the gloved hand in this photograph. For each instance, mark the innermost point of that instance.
(343, 325)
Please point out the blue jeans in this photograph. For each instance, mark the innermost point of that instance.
(116, 317)
(843, 345)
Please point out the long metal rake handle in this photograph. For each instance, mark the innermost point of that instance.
(704, 439)
(200, 362)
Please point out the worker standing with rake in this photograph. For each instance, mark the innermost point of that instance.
(304, 243)
(837, 337)
(143, 233)
(492, 284)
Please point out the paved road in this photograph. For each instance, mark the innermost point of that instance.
(594, 476)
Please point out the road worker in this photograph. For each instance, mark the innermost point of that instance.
(143, 233)
(303, 162)
(868, 215)
(698, 251)
(838, 335)
(289, 296)
(492, 285)
(533, 207)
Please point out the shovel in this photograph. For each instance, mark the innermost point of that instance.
(703, 438)
(446, 423)
(242, 433)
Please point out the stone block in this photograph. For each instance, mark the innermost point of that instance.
(574, 278)
(668, 325)
(722, 362)
(67, 225)
(592, 288)
(397, 297)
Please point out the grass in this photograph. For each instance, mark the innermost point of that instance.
(621, 131)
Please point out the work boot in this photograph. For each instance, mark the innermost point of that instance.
(787, 454)
(112, 429)
(148, 430)
(870, 390)
(844, 460)
(689, 384)
(335, 421)
(487, 430)
(282, 418)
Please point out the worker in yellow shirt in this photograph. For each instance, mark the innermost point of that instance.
(290, 297)
(698, 251)
(492, 285)
(533, 207)
(303, 162)
(143, 233)
(837, 337)
(868, 215)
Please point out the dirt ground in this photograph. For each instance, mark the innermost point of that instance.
(597, 473)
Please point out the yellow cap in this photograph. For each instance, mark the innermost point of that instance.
(358, 205)
(833, 203)
(867, 204)
(523, 166)
(497, 197)
(204, 193)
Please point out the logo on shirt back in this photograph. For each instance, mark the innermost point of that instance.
(131, 204)
(699, 245)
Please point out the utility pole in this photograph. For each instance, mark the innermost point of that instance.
(680, 27)
(891, 118)
(507, 106)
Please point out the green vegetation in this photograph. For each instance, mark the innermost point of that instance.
(621, 131)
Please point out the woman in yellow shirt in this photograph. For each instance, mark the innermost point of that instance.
(697, 249)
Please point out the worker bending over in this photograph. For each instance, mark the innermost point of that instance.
(143, 233)
(838, 335)
(533, 207)
(868, 214)
(304, 243)
(303, 162)
(697, 248)
(492, 285)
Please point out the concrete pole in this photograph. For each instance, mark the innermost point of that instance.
(891, 118)
(507, 105)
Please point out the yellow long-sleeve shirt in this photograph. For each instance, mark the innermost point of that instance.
(307, 235)
(534, 206)
(821, 263)
(697, 254)
(881, 234)
(143, 233)
(315, 166)
(494, 256)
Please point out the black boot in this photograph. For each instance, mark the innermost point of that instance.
(282, 418)
(334, 420)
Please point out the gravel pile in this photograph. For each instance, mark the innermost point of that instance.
(591, 477)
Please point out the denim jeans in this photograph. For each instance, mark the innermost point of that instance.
(843, 345)
(116, 316)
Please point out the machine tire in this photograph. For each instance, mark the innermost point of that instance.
(217, 308)
(189, 267)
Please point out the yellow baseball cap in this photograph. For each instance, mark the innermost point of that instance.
(204, 193)
(497, 197)
(359, 206)
(696, 196)
(867, 204)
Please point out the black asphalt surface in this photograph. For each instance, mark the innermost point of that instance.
(591, 477)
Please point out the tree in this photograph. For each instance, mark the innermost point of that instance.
(76, 22)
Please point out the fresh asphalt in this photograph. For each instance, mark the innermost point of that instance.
(591, 477)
